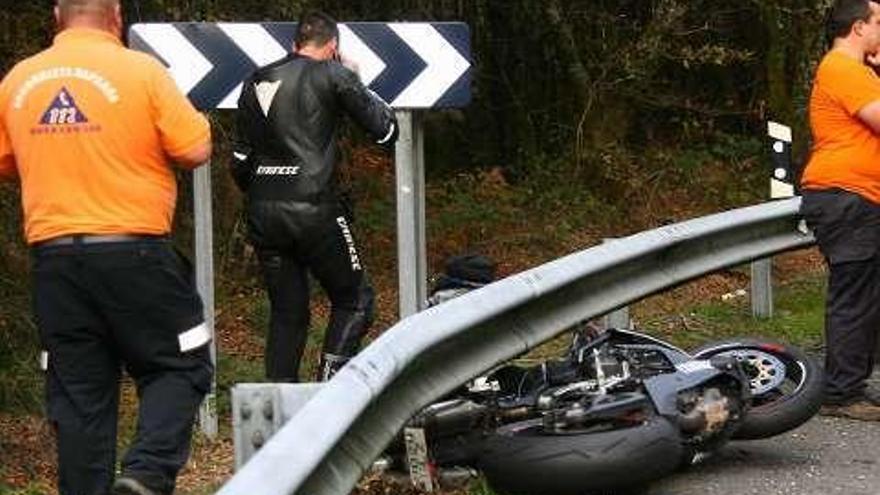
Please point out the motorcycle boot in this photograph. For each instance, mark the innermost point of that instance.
(126, 485)
(330, 365)
(351, 316)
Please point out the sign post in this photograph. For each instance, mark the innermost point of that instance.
(204, 247)
(411, 250)
(410, 65)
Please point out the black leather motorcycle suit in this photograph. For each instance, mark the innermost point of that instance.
(286, 155)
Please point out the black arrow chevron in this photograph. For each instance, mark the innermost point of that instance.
(283, 32)
(402, 64)
(231, 64)
(135, 42)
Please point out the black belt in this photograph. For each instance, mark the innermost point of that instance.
(78, 239)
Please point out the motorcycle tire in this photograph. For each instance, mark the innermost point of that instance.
(786, 385)
(520, 459)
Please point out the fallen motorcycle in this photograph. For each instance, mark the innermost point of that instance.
(618, 410)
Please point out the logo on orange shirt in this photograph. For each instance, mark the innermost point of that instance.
(63, 110)
(64, 116)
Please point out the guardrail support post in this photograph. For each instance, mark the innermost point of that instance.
(762, 288)
(618, 318)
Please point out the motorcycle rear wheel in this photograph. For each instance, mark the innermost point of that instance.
(522, 459)
(786, 385)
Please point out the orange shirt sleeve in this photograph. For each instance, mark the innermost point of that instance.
(854, 86)
(8, 169)
(181, 127)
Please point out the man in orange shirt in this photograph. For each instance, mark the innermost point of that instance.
(841, 190)
(89, 127)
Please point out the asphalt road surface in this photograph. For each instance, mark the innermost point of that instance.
(825, 456)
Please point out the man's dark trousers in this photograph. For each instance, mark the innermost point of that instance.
(847, 229)
(103, 306)
(320, 242)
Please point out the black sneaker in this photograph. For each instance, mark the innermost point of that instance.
(125, 485)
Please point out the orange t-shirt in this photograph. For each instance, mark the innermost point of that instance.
(846, 152)
(89, 127)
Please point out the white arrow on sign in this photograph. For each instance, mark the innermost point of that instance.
(445, 64)
(369, 65)
(257, 44)
(231, 100)
(185, 63)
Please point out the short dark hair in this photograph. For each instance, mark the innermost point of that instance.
(316, 28)
(844, 14)
(73, 8)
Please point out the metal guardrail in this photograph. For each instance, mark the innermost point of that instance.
(335, 437)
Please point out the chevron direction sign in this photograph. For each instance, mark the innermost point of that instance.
(410, 65)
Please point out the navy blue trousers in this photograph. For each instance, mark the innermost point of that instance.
(104, 307)
(847, 229)
(320, 243)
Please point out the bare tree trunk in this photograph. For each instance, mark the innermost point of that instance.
(776, 61)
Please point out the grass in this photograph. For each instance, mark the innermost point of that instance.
(798, 317)
(19, 352)
(31, 489)
(232, 370)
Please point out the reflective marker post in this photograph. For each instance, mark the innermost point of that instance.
(410, 174)
(781, 186)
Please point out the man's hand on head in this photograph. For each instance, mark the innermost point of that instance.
(349, 64)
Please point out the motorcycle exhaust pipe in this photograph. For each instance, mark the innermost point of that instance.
(517, 414)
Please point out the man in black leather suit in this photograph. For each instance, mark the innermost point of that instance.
(286, 156)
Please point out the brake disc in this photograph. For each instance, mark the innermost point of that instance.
(765, 371)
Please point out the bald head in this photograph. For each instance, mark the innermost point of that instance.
(98, 14)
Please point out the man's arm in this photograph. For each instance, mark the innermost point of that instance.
(8, 167)
(367, 108)
(242, 164)
(198, 155)
(185, 133)
(870, 115)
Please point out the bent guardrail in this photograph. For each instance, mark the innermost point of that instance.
(332, 441)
